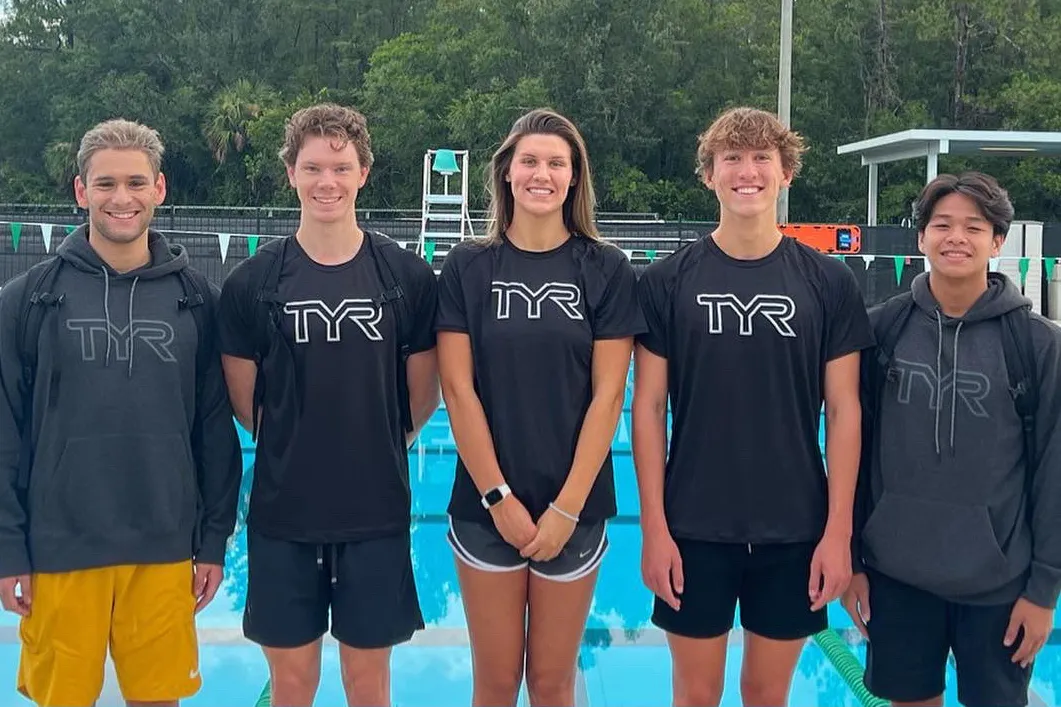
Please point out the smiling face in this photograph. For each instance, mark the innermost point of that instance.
(747, 181)
(327, 176)
(958, 239)
(540, 175)
(121, 191)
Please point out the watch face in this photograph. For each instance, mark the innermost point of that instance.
(493, 496)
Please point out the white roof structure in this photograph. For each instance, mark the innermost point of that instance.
(930, 144)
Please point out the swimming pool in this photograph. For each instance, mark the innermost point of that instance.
(624, 660)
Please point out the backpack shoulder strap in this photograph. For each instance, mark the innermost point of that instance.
(386, 254)
(37, 298)
(198, 300)
(1023, 374)
(890, 319)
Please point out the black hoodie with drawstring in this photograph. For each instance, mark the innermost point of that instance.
(949, 505)
(129, 467)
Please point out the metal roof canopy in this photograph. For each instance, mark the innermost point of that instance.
(930, 144)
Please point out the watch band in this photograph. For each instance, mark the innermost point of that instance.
(495, 495)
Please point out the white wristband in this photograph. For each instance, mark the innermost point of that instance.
(561, 511)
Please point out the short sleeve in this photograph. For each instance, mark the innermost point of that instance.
(847, 328)
(618, 314)
(452, 314)
(236, 315)
(651, 294)
(425, 307)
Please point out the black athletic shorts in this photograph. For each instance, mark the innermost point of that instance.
(368, 586)
(481, 546)
(911, 633)
(768, 581)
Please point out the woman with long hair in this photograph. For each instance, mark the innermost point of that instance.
(535, 335)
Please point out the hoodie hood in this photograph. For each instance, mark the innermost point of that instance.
(166, 259)
(1001, 297)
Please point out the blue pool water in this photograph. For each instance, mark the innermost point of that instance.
(623, 663)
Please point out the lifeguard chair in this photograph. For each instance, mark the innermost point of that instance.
(444, 219)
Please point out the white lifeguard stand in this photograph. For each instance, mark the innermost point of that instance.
(444, 219)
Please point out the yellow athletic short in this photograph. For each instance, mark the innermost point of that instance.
(145, 614)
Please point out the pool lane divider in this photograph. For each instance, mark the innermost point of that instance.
(847, 666)
(266, 698)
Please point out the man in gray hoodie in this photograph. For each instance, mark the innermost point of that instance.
(119, 460)
(960, 550)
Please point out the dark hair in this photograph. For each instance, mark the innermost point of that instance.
(983, 189)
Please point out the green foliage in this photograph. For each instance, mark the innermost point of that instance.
(641, 80)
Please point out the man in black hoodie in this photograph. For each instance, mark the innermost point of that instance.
(119, 461)
(961, 549)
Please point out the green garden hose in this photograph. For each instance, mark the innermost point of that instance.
(845, 663)
(266, 698)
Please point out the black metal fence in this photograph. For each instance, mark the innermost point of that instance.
(891, 257)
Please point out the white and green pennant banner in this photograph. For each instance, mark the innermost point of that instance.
(17, 230)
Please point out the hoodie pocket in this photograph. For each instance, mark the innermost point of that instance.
(943, 548)
(112, 485)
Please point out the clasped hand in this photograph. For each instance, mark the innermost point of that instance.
(540, 542)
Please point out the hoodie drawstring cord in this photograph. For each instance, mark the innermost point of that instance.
(132, 338)
(954, 388)
(939, 376)
(107, 312)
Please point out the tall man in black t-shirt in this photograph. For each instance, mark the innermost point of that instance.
(749, 332)
(329, 355)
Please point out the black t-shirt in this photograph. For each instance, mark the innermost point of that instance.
(746, 344)
(342, 473)
(532, 319)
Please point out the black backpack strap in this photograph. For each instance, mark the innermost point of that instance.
(385, 253)
(1023, 373)
(196, 300)
(37, 298)
(267, 322)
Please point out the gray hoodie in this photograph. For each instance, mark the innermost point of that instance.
(948, 509)
(130, 464)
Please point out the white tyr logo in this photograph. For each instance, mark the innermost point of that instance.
(562, 294)
(778, 310)
(363, 312)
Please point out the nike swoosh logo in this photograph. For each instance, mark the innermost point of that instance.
(583, 554)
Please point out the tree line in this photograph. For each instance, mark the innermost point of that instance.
(640, 78)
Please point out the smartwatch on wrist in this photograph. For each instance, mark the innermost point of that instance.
(495, 495)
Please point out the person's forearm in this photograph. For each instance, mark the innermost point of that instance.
(649, 423)
(594, 443)
(843, 443)
(422, 406)
(472, 435)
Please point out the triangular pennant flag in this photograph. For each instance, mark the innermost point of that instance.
(70, 229)
(1022, 267)
(46, 234)
(928, 265)
(252, 244)
(16, 234)
(900, 263)
(429, 251)
(992, 264)
(628, 253)
(867, 259)
(650, 254)
(1048, 265)
(222, 240)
